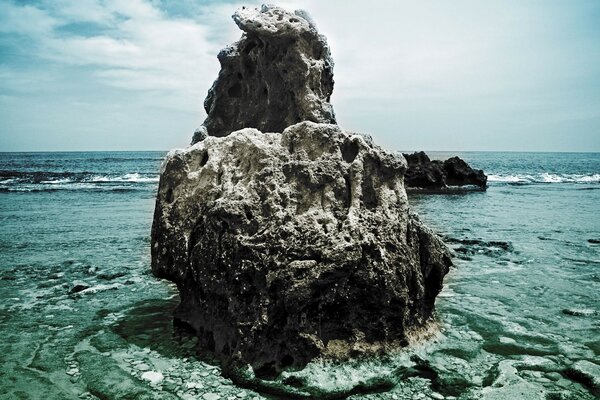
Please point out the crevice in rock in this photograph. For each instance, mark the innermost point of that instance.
(204, 159)
(349, 149)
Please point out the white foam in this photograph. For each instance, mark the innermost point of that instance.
(551, 178)
(133, 178)
(58, 181)
(506, 178)
(545, 177)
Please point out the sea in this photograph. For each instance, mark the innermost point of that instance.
(82, 317)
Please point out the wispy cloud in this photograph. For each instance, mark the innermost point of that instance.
(138, 47)
(134, 73)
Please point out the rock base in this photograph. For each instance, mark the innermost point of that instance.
(290, 246)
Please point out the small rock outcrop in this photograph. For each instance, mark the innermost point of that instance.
(279, 73)
(587, 373)
(424, 173)
(296, 243)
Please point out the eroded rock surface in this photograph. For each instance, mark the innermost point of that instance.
(279, 73)
(425, 173)
(295, 241)
(287, 246)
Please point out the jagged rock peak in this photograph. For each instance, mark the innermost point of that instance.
(275, 21)
(278, 74)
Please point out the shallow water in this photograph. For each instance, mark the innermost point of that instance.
(82, 317)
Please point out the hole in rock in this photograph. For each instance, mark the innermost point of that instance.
(248, 212)
(369, 195)
(349, 150)
(266, 371)
(235, 90)
(249, 67)
(293, 20)
(348, 194)
(169, 195)
(226, 351)
(204, 159)
(183, 326)
(294, 381)
(210, 341)
(249, 47)
(287, 361)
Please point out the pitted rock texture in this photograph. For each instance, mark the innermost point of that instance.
(424, 173)
(288, 246)
(279, 73)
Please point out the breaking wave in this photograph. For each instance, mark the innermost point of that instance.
(135, 178)
(544, 178)
(33, 181)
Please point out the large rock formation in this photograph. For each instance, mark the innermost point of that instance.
(424, 173)
(280, 73)
(296, 244)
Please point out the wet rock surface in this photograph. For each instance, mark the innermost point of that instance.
(288, 246)
(425, 173)
(279, 73)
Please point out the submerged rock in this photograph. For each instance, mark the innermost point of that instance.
(153, 377)
(579, 312)
(106, 380)
(78, 286)
(587, 373)
(296, 242)
(427, 174)
(279, 73)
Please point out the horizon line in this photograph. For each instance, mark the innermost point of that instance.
(401, 151)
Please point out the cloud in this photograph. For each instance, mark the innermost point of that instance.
(140, 48)
(414, 74)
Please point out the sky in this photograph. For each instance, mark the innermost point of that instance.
(461, 75)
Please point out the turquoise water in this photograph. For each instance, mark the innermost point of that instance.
(82, 317)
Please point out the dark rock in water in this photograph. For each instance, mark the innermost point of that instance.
(109, 276)
(470, 247)
(279, 73)
(427, 174)
(78, 287)
(422, 173)
(586, 373)
(478, 244)
(579, 312)
(291, 245)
